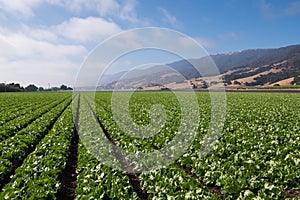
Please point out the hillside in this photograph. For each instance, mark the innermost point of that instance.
(253, 67)
(272, 66)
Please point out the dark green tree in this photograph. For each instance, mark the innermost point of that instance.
(41, 89)
(63, 87)
(31, 88)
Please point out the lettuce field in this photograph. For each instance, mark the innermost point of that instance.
(47, 152)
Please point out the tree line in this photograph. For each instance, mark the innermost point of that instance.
(16, 87)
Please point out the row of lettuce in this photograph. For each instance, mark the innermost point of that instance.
(25, 110)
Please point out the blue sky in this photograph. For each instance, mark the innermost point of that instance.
(45, 41)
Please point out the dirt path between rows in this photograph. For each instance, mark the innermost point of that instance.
(68, 177)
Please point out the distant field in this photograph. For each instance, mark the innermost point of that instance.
(282, 87)
(43, 157)
(277, 89)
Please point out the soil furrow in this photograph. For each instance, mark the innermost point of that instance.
(68, 177)
(213, 189)
(292, 193)
(126, 166)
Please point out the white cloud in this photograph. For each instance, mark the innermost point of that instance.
(87, 30)
(104, 7)
(27, 60)
(169, 18)
(128, 12)
(23, 46)
(108, 7)
(39, 33)
(39, 72)
(24, 7)
(125, 10)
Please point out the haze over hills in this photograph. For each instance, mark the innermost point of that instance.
(247, 68)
